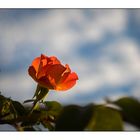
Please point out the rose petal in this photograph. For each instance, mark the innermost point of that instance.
(44, 81)
(44, 60)
(36, 63)
(54, 72)
(42, 66)
(32, 72)
(54, 60)
(65, 74)
(69, 82)
(42, 72)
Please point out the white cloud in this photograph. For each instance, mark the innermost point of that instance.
(114, 21)
(126, 66)
(123, 71)
(52, 30)
(18, 86)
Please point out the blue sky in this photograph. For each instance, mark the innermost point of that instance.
(101, 45)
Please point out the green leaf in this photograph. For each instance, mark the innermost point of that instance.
(74, 118)
(130, 110)
(30, 100)
(105, 118)
(53, 108)
(32, 119)
(7, 111)
(4, 105)
(19, 108)
(12, 109)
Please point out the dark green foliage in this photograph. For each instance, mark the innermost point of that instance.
(7, 110)
(130, 110)
(105, 118)
(19, 108)
(74, 118)
(31, 119)
(53, 108)
(54, 117)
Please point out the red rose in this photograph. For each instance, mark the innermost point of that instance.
(48, 72)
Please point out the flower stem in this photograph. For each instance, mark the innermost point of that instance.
(39, 95)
